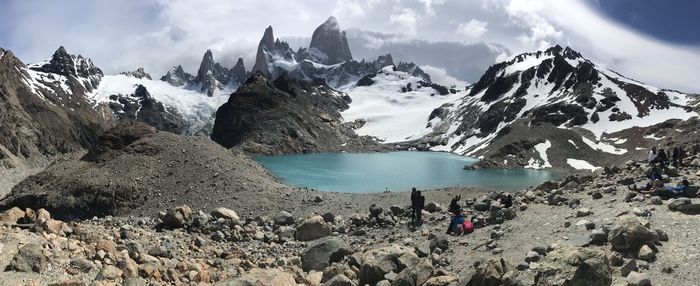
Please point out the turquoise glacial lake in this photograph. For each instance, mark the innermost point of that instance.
(393, 171)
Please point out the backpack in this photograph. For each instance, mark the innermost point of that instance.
(467, 226)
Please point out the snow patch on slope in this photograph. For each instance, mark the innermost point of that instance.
(581, 165)
(393, 115)
(196, 108)
(604, 147)
(544, 160)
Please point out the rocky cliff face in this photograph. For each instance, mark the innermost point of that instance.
(43, 107)
(286, 116)
(138, 73)
(176, 76)
(328, 44)
(211, 76)
(141, 106)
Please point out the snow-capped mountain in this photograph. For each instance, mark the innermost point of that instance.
(571, 101)
(328, 59)
(44, 108)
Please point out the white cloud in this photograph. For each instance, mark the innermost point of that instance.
(156, 34)
(406, 20)
(442, 77)
(472, 30)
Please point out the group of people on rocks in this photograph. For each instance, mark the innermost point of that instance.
(661, 158)
(459, 225)
(658, 160)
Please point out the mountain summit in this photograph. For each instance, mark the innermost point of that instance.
(329, 40)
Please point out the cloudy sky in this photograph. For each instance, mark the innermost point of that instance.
(455, 40)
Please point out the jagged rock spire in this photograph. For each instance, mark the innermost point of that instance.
(329, 40)
(261, 61)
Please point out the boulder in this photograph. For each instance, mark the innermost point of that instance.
(262, 277)
(568, 265)
(313, 228)
(396, 210)
(109, 273)
(328, 217)
(12, 215)
(482, 203)
(676, 204)
(638, 279)
(56, 227)
(376, 263)
(432, 207)
(598, 237)
(490, 273)
(323, 252)
(283, 218)
(285, 233)
(375, 210)
(339, 280)
(227, 214)
(628, 267)
(684, 205)
(443, 280)
(546, 186)
(616, 259)
(581, 212)
(439, 242)
(416, 275)
(646, 253)
(177, 217)
(29, 258)
(629, 234)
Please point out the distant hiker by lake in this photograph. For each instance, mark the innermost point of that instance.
(417, 205)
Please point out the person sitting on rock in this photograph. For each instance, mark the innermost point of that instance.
(420, 204)
(678, 190)
(668, 192)
(456, 224)
(506, 200)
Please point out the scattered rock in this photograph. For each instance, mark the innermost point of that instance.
(569, 265)
(177, 217)
(638, 279)
(439, 242)
(490, 273)
(313, 228)
(432, 207)
(227, 214)
(646, 254)
(29, 258)
(629, 234)
(581, 212)
(283, 218)
(323, 252)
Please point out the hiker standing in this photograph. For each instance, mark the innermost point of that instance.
(651, 157)
(420, 204)
(414, 202)
(675, 155)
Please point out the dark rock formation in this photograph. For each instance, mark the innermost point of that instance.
(176, 76)
(141, 106)
(138, 73)
(44, 110)
(286, 116)
(329, 40)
